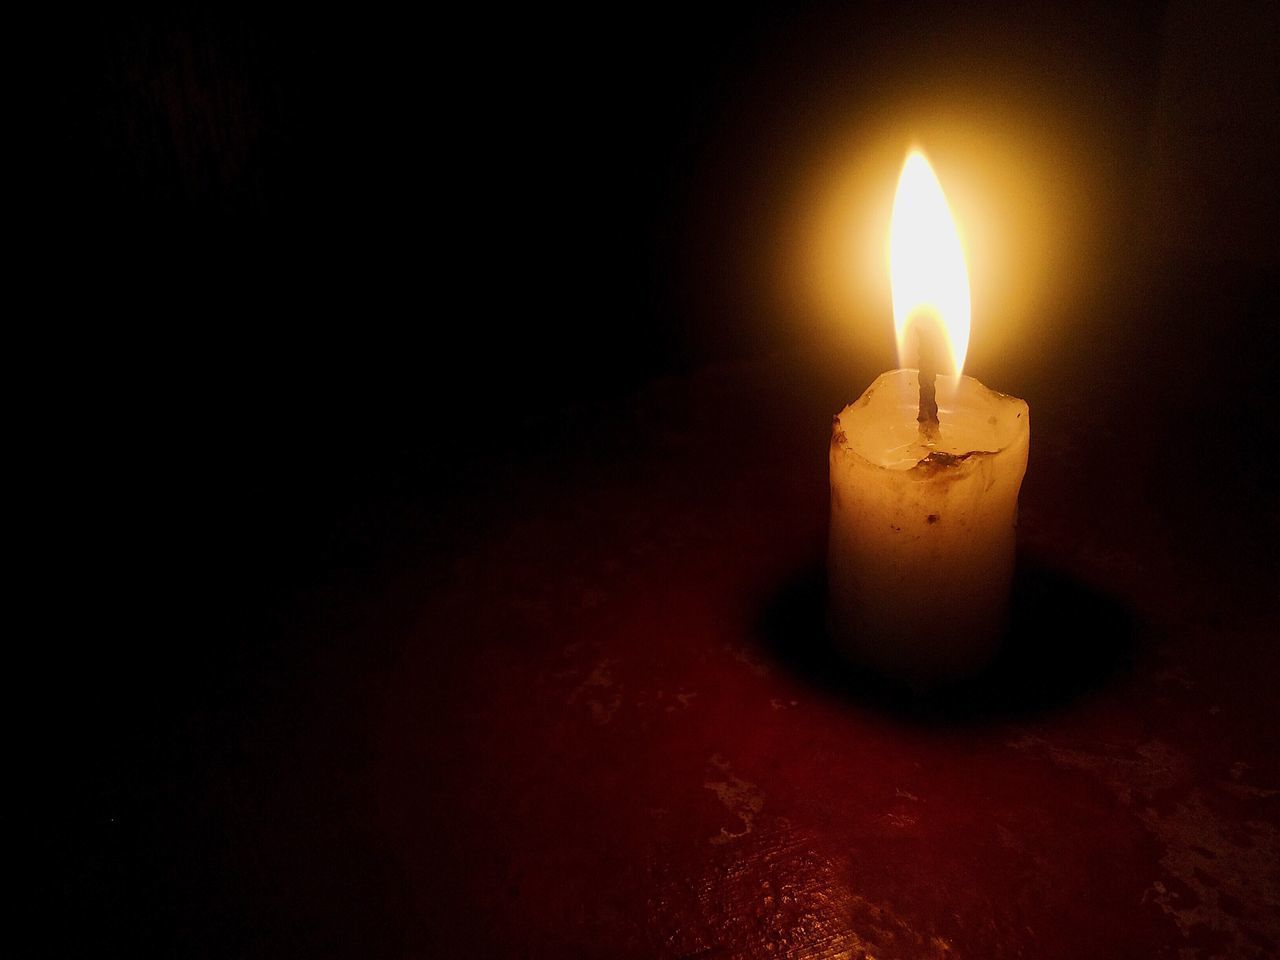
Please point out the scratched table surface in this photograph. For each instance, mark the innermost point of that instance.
(587, 711)
(633, 743)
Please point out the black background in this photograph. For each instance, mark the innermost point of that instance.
(293, 262)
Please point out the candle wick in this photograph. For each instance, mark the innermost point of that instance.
(927, 418)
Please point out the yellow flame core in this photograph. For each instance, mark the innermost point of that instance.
(926, 267)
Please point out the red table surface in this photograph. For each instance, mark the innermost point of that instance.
(610, 728)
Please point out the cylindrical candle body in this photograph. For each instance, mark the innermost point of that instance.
(921, 548)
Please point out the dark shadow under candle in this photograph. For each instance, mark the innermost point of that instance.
(1065, 641)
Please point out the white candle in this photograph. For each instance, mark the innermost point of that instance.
(921, 546)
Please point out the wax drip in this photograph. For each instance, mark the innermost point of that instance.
(928, 415)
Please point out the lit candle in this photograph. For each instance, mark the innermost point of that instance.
(925, 472)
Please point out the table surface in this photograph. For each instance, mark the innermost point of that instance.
(586, 710)
(619, 731)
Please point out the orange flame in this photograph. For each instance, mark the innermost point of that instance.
(927, 267)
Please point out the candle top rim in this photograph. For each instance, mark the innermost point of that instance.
(978, 423)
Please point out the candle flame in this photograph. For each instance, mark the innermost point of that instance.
(927, 270)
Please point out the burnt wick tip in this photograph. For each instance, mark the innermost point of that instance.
(928, 411)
